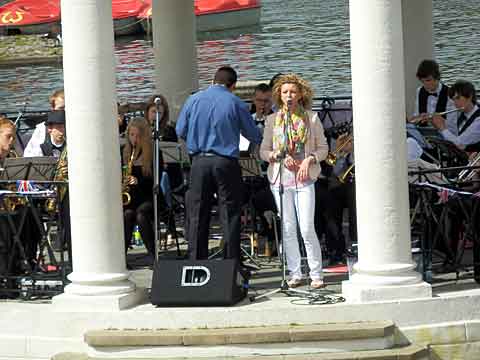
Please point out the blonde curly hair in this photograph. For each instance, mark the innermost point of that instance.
(305, 89)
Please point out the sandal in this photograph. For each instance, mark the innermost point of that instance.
(317, 284)
(294, 282)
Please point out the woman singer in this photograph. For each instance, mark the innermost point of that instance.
(294, 144)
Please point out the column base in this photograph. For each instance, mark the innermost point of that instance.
(100, 303)
(361, 293)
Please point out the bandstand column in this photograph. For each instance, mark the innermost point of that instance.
(418, 42)
(99, 280)
(385, 270)
(174, 42)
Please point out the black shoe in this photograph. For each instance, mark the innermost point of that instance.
(337, 260)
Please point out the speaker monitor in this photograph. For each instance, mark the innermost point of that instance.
(198, 283)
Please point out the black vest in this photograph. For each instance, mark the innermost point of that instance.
(465, 126)
(441, 102)
(48, 149)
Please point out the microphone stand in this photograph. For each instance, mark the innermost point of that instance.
(156, 177)
(284, 288)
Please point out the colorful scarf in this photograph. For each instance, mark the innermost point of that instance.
(290, 134)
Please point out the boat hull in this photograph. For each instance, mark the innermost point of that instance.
(29, 29)
(127, 26)
(220, 20)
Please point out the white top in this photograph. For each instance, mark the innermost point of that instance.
(414, 150)
(470, 136)
(38, 137)
(432, 106)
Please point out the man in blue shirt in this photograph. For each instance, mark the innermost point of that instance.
(211, 122)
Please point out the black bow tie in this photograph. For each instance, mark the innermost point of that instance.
(433, 94)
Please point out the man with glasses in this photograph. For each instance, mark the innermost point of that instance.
(262, 104)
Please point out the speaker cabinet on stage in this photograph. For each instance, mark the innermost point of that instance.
(198, 283)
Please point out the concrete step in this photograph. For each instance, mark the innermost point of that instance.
(411, 352)
(241, 342)
(245, 335)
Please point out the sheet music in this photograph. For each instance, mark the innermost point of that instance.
(250, 167)
(174, 152)
(40, 168)
(244, 143)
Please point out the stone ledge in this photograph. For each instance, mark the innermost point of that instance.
(247, 335)
(437, 334)
(411, 352)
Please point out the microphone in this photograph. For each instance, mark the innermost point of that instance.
(157, 101)
(289, 104)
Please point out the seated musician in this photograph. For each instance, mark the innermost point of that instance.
(167, 131)
(432, 96)
(40, 134)
(7, 139)
(172, 177)
(29, 235)
(466, 134)
(335, 191)
(466, 137)
(137, 155)
(262, 104)
(54, 142)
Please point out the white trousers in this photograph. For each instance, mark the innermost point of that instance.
(300, 204)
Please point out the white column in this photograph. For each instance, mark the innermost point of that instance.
(418, 42)
(174, 42)
(99, 278)
(385, 270)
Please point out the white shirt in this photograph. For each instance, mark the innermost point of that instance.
(414, 150)
(470, 136)
(451, 122)
(38, 137)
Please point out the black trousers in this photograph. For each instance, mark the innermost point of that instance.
(22, 261)
(331, 198)
(4, 245)
(209, 175)
(143, 216)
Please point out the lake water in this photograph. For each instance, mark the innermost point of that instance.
(310, 37)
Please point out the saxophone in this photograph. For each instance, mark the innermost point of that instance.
(61, 174)
(126, 197)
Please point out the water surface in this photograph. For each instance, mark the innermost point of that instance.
(310, 37)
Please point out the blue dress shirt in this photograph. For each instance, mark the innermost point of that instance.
(212, 121)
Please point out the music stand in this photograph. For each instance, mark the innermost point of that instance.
(41, 168)
(250, 167)
(174, 153)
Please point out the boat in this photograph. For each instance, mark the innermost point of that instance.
(28, 17)
(216, 15)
